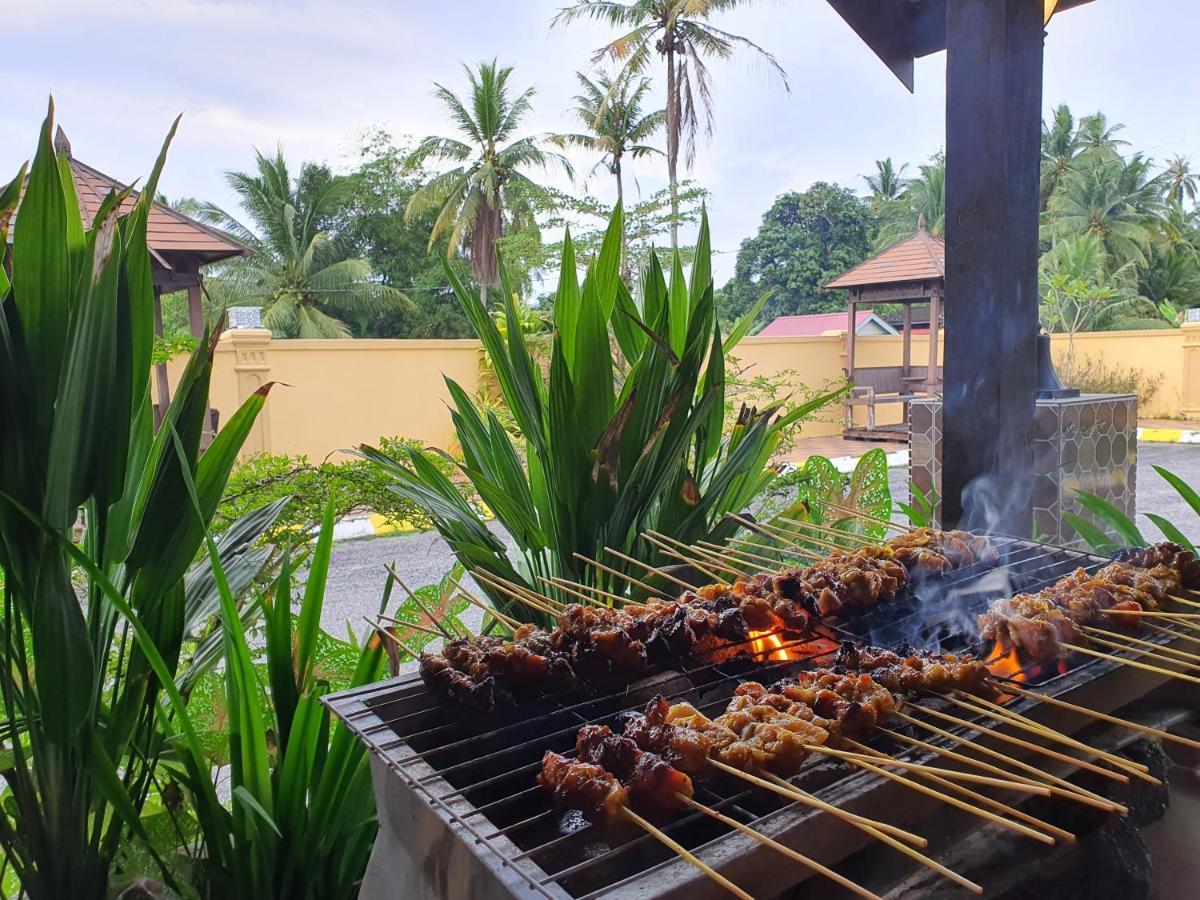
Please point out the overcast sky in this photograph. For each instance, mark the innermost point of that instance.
(313, 74)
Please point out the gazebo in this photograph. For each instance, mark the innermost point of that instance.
(911, 271)
(179, 247)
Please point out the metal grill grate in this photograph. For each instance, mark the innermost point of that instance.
(478, 772)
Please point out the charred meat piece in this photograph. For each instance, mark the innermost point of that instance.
(652, 781)
(685, 748)
(910, 671)
(448, 682)
(1030, 623)
(959, 548)
(1164, 553)
(576, 784)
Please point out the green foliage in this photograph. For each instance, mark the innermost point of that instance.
(1109, 528)
(781, 389)
(921, 510)
(804, 240)
(346, 486)
(1092, 375)
(167, 348)
(87, 678)
(301, 820)
(606, 458)
(921, 199)
(304, 285)
(804, 494)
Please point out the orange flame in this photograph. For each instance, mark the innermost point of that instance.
(770, 645)
(1004, 663)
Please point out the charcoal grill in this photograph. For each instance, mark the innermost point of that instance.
(462, 817)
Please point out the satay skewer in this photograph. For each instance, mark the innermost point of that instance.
(1118, 641)
(698, 563)
(959, 789)
(1104, 717)
(414, 626)
(859, 514)
(684, 853)
(1025, 817)
(877, 833)
(739, 557)
(1059, 786)
(836, 877)
(828, 545)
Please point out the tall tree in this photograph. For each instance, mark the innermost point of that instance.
(1060, 146)
(487, 187)
(923, 197)
(679, 31)
(303, 281)
(804, 240)
(887, 182)
(617, 127)
(1181, 182)
(1097, 137)
(1116, 200)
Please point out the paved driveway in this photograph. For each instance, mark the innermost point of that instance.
(357, 570)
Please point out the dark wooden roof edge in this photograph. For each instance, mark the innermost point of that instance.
(236, 248)
(929, 242)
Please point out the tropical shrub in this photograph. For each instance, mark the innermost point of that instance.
(605, 457)
(1109, 528)
(1092, 375)
(92, 632)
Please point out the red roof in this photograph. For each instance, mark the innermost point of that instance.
(814, 324)
(919, 257)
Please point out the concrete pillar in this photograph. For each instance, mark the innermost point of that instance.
(252, 368)
(1190, 402)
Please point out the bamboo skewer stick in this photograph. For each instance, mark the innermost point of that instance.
(828, 545)
(611, 571)
(944, 798)
(1184, 600)
(487, 608)
(615, 598)
(646, 566)
(1129, 765)
(383, 632)
(1105, 717)
(771, 531)
(1060, 787)
(876, 832)
(789, 791)
(775, 845)
(1040, 732)
(483, 577)
(686, 854)
(742, 542)
(699, 564)
(1178, 635)
(1152, 613)
(414, 626)
(862, 540)
(1003, 783)
(1025, 817)
(741, 557)
(420, 603)
(554, 605)
(898, 526)
(974, 795)
(1139, 653)
(1123, 641)
(1158, 670)
(590, 601)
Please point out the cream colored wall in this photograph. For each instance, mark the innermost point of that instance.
(338, 394)
(1153, 352)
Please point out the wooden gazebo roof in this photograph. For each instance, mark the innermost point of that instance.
(918, 257)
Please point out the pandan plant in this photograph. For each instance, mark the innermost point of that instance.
(624, 435)
(92, 631)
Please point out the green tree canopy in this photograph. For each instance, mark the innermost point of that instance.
(804, 240)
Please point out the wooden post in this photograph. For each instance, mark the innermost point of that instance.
(907, 363)
(851, 328)
(993, 133)
(195, 311)
(935, 314)
(160, 371)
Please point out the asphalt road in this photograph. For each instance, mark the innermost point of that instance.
(357, 573)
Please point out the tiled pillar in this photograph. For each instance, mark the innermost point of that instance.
(1190, 402)
(252, 367)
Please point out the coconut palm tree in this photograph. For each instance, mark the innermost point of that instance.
(922, 199)
(1060, 145)
(487, 186)
(1116, 200)
(612, 113)
(296, 274)
(1096, 136)
(1082, 290)
(679, 31)
(887, 182)
(1181, 182)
